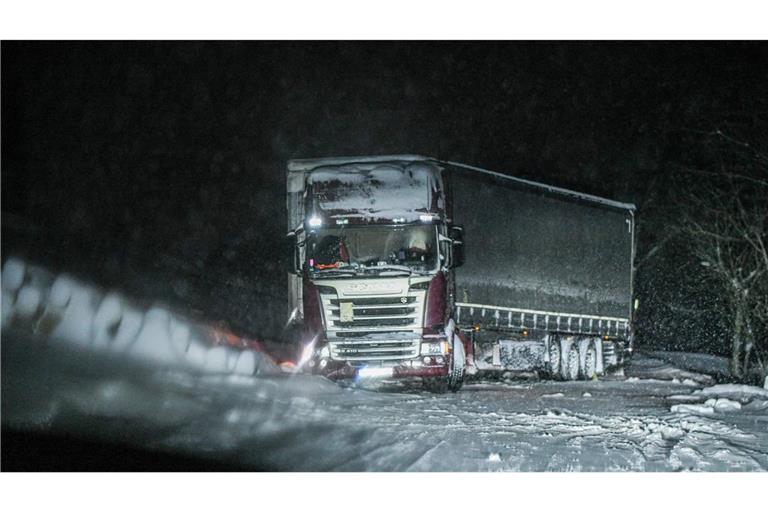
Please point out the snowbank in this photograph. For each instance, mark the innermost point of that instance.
(716, 366)
(692, 408)
(656, 365)
(723, 404)
(722, 398)
(740, 392)
(65, 310)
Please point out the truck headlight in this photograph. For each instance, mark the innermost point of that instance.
(434, 348)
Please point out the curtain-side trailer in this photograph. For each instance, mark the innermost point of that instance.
(547, 279)
(407, 266)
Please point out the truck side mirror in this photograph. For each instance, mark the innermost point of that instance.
(457, 235)
(291, 254)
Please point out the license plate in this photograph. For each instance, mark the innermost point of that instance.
(377, 373)
(346, 313)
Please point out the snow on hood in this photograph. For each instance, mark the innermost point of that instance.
(393, 190)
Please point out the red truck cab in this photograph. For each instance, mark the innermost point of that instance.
(371, 284)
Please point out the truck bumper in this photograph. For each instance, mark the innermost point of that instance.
(416, 367)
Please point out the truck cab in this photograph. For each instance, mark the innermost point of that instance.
(371, 278)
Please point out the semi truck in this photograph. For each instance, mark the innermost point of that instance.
(411, 267)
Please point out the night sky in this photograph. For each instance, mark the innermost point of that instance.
(158, 168)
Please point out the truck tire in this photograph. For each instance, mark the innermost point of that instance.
(456, 380)
(570, 370)
(589, 372)
(555, 358)
(458, 365)
(440, 385)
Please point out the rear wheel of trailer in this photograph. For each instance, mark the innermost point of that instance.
(555, 357)
(589, 371)
(571, 368)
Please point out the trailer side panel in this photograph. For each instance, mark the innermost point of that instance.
(534, 249)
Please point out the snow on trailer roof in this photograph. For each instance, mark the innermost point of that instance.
(312, 163)
(543, 186)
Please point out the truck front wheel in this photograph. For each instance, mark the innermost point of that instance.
(453, 381)
(456, 379)
(458, 364)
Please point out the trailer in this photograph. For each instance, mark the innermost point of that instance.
(413, 267)
(547, 278)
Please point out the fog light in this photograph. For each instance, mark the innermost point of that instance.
(427, 360)
(323, 363)
(440, 360)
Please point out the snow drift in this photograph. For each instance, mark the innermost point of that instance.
(66, 310)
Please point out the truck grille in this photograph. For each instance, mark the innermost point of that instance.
(383, 312)
(379, 346)
(380, 328)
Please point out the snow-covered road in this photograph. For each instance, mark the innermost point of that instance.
(298, 422)
(86, 374)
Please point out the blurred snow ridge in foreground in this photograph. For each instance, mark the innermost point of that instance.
(66, 310)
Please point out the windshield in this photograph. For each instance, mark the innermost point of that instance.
(374, 248)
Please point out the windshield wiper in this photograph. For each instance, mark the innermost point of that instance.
(401, 268)
(343, 271)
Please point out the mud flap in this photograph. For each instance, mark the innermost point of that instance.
(518, 355)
